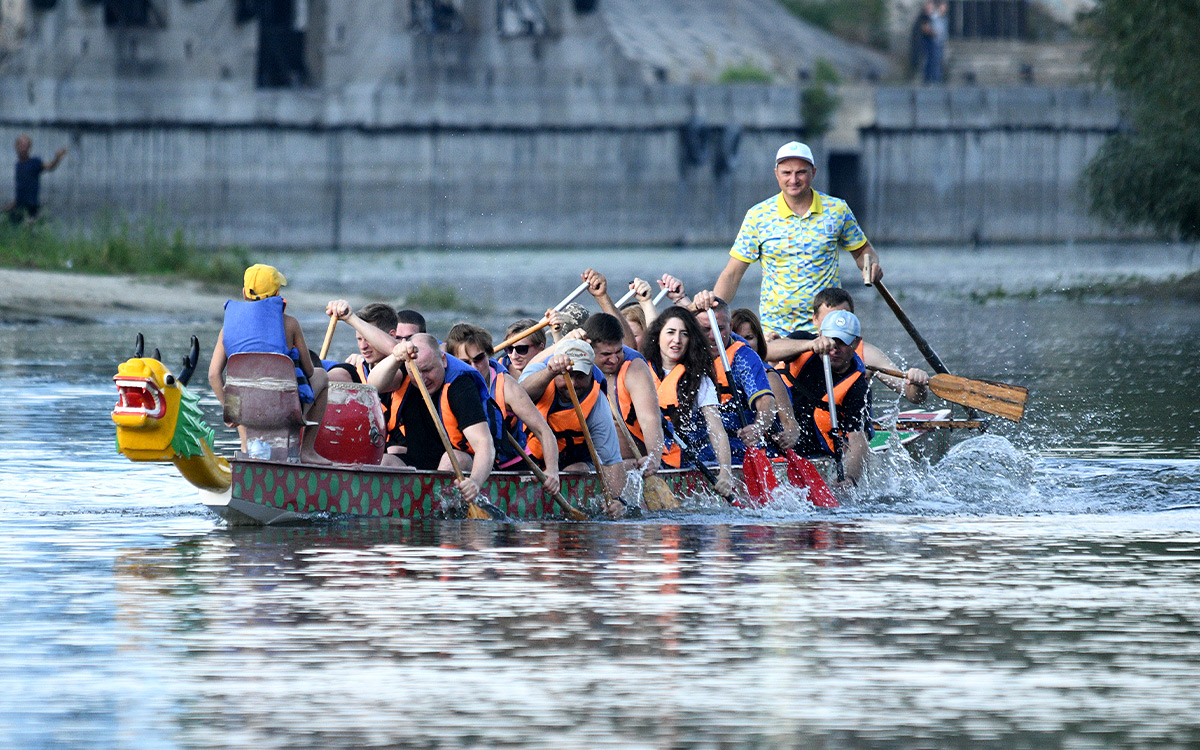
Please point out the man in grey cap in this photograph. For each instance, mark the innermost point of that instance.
(805, 379)
(545, 382)
(796, 234)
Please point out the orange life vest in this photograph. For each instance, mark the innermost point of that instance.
(562, 421)
(721, 381)
(449, 421)
(821, 417)
(671, 455)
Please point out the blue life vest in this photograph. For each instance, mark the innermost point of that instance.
(258, 327)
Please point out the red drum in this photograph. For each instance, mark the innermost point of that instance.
(353, 430)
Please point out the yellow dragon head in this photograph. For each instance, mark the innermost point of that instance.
(159, 419)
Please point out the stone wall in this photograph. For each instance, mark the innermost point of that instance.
(552, 166)
(984, 165)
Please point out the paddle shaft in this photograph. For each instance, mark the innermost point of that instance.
(742, 405)
(920, 425)
(587, 434)
(544, 321)
(623, 428)
(926, 350)
(575, 513)
(625, 298)
(833, 420)
(328, 337)
(659, 297)
(693, 457)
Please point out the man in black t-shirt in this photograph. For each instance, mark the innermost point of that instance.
(457, 391)
(28, 174)
(807, 385)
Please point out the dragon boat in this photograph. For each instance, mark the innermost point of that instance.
(158, 419)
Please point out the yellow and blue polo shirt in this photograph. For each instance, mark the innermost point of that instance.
(799, 255)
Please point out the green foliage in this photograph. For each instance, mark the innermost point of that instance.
(819, 100)
(118, 246)
(1149, 175)
(862, 21)
(434, 297)
(745, 73)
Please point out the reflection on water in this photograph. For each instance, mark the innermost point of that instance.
(1033, 589)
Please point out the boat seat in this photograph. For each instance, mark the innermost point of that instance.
(262, 396)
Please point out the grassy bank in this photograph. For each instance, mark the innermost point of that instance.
(119, 247)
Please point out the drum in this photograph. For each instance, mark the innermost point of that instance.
(353, 430)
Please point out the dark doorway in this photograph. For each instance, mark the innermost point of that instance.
(845, 181)
(280, 45)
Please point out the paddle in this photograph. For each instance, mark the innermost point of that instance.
(627, 296)
(802, 473)
(1001, 399)
(587, 436)
(756, 467)
(657, 494)
(473, 508)
(918, 425)
(328, 338)
(694, 459)
(575, 513)
(833, 423)
(545, 321)
(659, 297)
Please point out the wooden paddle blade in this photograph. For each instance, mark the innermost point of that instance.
(759, 476)
(474, 511)
(658, 495)
(819, 493)
(1001, 399)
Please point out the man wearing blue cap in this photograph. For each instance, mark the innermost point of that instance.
(796, 234)
(806, 381)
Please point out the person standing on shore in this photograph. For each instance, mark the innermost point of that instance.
(796, 234)
(28, 174)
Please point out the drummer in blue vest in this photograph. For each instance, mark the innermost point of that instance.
(258, 323)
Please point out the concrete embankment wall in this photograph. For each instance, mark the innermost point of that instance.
(985, 165)
(651, 165)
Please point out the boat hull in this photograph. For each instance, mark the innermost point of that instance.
(273, 492)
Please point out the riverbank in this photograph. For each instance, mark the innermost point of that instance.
(44, 297)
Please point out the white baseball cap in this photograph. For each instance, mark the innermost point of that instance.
(794, 150)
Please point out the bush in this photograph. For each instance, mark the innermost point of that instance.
(744, 73)
(819, 100)
(118, 246)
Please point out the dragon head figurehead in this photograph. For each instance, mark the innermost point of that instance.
(159, 419)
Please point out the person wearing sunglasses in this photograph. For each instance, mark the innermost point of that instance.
(510, 408)
(518, 356)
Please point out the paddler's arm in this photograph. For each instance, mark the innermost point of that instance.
(730, 279)
(645, 405)
(855, 457)
(216, 368)
(787, 419)
(518, 401)
(598, 286)
(720, 445)
(295, 338)
(380, 341)
(915, 384)
(536, 382)
(388, 374)
(479, 437)
(787, 349)
(675, 291)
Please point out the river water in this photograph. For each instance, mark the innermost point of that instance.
(1039, 587)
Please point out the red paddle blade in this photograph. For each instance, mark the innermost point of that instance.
(802, 473)
(760, 477)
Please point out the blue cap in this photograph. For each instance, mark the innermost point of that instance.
(842, 325)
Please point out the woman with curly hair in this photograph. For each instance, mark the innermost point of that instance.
(677, 352)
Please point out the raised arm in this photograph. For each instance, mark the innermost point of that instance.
(598, 286)
(51, 165)
(379, 340)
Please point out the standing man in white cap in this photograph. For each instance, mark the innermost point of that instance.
(841, 332)
(796, 235)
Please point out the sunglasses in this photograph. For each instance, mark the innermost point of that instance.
(478, 359)
(521, 349)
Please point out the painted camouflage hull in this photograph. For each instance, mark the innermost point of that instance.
(273, 492)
